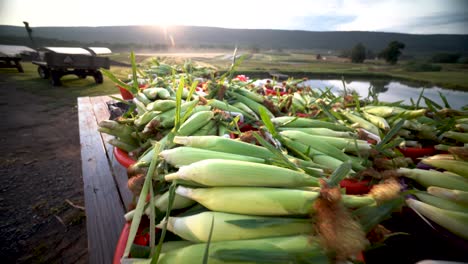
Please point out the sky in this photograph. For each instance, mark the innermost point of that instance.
(403, 16)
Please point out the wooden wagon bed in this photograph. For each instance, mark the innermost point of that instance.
(105, 182)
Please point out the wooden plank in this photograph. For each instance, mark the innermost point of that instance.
(119, 172)
(104, 210)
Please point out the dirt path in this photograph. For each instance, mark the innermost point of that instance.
(40, 170)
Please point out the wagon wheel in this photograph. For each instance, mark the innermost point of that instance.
(43, 72)
(55, 78)
(98, 77)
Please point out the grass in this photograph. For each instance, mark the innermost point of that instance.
(72, 86)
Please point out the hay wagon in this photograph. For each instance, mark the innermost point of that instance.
(55, 62)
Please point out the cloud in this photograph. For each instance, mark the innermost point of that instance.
(417, 16)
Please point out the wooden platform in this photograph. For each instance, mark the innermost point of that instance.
(105, 182)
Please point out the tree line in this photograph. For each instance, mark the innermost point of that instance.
(392, 53)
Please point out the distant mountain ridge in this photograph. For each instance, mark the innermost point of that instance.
(192, 36)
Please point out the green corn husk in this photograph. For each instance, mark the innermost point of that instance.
(142, 98)
(255, 106)
(183, 156)
(441, 202)
(459, 152)
(141, 107)
(161, 202)
(411, 114)
(146, 118)
(226, 145)
(458, 136)
(290, 121)
(463, 127)
(262, 201)
(219, 172)
(122, 145)
(435, 178)
(378, 121)
(246, 109)
(153, 93)
(195, 122)
(321, 146)
(455, 222)
(319, 131)
(361, 122)
(463, 120)
(206, 129)
(168, 121)
(229, 108)
(316, 156)
(456, 166)
(340, 143)
(453, 195)
(161, 105)
(288, 249)
(235, 226)
(251, 95)
(382, 111)
(116, 129)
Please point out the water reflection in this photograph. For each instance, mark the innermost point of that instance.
(392, 91)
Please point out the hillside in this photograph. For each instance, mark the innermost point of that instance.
(211, 37)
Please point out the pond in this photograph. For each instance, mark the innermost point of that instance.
(393, 90)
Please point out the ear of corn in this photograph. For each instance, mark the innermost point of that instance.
(183, 156)
(378, 121)
(435, 178)
(246, 109)
(122, 145)
(207, 129)
(255, 106)
(319, 131)
(361, 122)
(456, 222)
(287, 249)
(453, 195)
(228, 108)
(219, 172)
(179, 202)
(317, 156)
(340, 143)
(458, 136)
(141, 107)
(441, 202)
(224, 145)
(290, 121)
(262, 201)
(195, 122)
(249, 94)
(168, 122)
(235, 226)
(146, 118)
(153, 93)
(456, 166)
(161, 105)
(321, 146)
(142, 98)
(382, 111)
(251, 200)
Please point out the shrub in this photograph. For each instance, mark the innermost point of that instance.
(446, 57)
(422, 67)
(358, 53)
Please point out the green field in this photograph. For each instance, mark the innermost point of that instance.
(454, 76)
(72, 86)
(298, 64)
